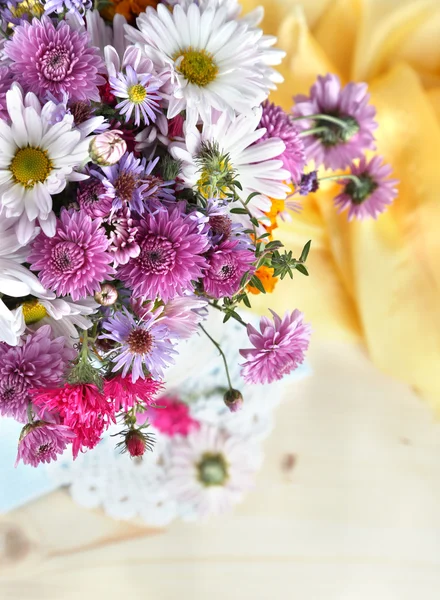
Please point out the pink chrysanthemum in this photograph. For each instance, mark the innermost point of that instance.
(82, 408)
(333, 145)
(122, 230)
(41, 442)
(6, 80)
(39, 362)
(228, 262)
(125, 393)
(170, 258)
(75, 261)
(171, 417)
(372, 195)
(56, 59)
(92, 198)
(279, 125)
(279, 347)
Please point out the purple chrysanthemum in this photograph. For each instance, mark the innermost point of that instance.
(279, 125)
(138, 93)
(279, 347)
(131, 183)
(227, 263)
(56, 59)
(75, 261)
(6, 79)
(92, 198)
(122, 230)
(335, 145)
(374, 192)
(41, 442)
(145, 345)
(170, 259)
(39, 362)
(76, 7)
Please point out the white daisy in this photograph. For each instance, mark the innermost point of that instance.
(256, 165)
(37, 158)
(216, 62)
(209, 471)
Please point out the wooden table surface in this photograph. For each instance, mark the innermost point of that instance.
(347, 507)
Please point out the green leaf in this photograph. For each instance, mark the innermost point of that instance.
(256, 283)
(244, 279)
(239, 211)
(246, 301)
(238, 184)
(227, 317)
(249, 198)
(274, 245)
(255, 222)
(302, 269)
(305, 252)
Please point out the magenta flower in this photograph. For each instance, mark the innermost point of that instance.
(122, 230)
(279, 347)
(227, 262)
(92, 199)
(82, 408)
(171, 417)
(56, 59)
(39, 362)
(75, 261)
(279, 125)
(6, 79)
(372, 195)
(144, 345)
(170, 258)
(41, 442)
(336, 145)
(125, 393)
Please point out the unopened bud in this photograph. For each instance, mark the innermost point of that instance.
(233, 400)
(135, 443)
(107, 148)
(107, 295)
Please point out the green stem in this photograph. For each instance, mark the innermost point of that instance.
(222, 354)
(250, 216)
(312, 131)
(337, 177)
(85, 345)
(323, 117)
(30, 413)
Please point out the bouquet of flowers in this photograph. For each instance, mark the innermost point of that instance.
(142, 173)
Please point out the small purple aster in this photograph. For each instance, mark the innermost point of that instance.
(221, 226)
(374, 192)
(131, 183)
(145, 345)
(56, 59)
(38, 362)
(335, 145)
(279, 125)
(227, 263)
(42, 442)
(308, 183)
(139, 93)
(6, 79)
(76, 7)
(170, 258)
(279, 347)
(75, 260)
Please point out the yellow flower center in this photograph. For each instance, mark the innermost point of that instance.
(28, 7)
(30, 166)
(197, 66)
(33, 312)
(137, 93)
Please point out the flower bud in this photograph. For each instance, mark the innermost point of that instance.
(107, 295)
(233, 400)
(135, 443)
(107, 148)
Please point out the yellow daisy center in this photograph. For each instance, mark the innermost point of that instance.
(28, 7)
(137, 93)
(30, 166)
(33, 312)
(197, 66)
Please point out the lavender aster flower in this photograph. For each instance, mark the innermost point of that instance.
(130, 183)
(227, 265)
(170, 258)
(279, 347)
(6, 79)
(335, 145)
(308, 183)
(56, 59)
(75, 261)
(41, 442)
(145, 345)
(39, 362)
(76, 7)
(16, 11)
(374, 192)
(139, 93)
(279, 125)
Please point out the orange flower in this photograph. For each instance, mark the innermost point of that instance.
(130, 9)
(265, 275)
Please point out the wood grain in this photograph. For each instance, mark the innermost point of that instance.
(345, 508)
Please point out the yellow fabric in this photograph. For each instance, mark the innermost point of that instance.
(376, 280)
